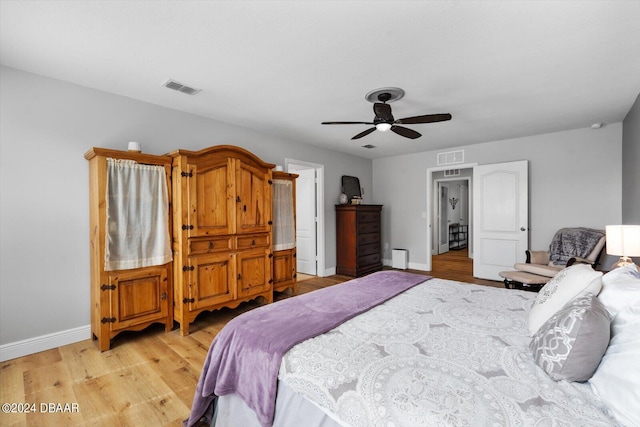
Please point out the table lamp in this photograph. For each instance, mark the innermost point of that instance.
(624, 241)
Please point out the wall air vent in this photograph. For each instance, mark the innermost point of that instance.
(452, 172)
(172, 84)
(451, 157)
(369, 146)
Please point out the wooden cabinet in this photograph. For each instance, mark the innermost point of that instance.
(122, 300)
(284, 225)
(222, 230)
(358, 249)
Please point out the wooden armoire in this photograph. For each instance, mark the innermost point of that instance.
(284, 253)
(221, 230)
(128, 299)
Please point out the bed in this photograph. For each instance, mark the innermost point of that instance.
(426, 352)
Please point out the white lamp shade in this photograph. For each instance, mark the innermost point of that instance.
(623, 240)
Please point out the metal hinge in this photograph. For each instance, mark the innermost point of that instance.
(186, 300)
(187, 227)
(108, 287)
(186, 174)
(188, 268)
(108, 320)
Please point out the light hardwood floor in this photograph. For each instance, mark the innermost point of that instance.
(148, 377)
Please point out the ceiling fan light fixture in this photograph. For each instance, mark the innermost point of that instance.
(383, 127)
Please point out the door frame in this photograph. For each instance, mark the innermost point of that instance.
(320, 240)
(438, 210)
(430, 204)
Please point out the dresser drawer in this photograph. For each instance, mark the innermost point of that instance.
(368, 227)
(206, 246)
(368, 216)
(366, 260)
(253, 241)
(365, 239)
(373, 248)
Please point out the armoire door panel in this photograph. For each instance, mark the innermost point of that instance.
(137, 296)
(212, 280)
(254, 272)
(283, 267)
(253, 199)
(211, 207)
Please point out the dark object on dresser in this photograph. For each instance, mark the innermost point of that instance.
(358, 239)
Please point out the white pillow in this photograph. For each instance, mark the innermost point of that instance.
(563, 287)
(620, 289)
(617, 379)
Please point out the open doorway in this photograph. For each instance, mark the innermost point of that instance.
(309, 216)
(453, 215)
(450, 209)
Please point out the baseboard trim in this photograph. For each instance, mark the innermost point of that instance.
(44, 342)
(410, 265)
(329, 272)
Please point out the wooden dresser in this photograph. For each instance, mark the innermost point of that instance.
(358, 239)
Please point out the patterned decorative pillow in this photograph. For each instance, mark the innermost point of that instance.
(563, 287)
(570, 345)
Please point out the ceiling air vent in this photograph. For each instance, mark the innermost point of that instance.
(369, 146)
(451, 157)
(172, 84)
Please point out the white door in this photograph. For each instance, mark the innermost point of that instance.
(464, 216)
(464, 205)
(500, 217)
(306, 221)
(443, 221)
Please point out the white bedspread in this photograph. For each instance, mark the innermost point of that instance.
(442, 353)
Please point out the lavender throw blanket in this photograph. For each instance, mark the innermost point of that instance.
(245, 356)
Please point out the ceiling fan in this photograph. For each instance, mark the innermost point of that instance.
(384, 121)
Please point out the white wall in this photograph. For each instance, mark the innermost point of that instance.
(46, 127)
(631, 166)
(574, 180)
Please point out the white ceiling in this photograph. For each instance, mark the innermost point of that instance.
(503, 69)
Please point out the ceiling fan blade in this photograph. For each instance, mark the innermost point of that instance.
(347, 123)
(406, 132)
(365, 133)
(428, 118)
(383, 111)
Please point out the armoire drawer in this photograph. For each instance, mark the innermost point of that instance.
(208, 246)
(253, 241)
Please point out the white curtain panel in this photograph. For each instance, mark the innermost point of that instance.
(284, 231)
(137, 216)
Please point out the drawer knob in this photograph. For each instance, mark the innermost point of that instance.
(210, 245)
